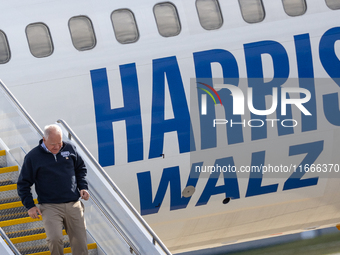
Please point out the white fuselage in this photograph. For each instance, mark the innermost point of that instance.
(145, 148)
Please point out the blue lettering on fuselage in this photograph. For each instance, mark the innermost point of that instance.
(168, 67)
(306, 79)
(331, 64)
(253, 52)
(166, 71)
(105, 116)
(203, 70)
(230, 188)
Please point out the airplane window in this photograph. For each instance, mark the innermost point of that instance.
(333, 4)
(167, 19)
(294, 7)
(124, 26)
(5, 54)
(252, 10)
(82, 33)
(209, 14)
(39, 40)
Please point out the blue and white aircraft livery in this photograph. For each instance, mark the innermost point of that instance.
(219, 120)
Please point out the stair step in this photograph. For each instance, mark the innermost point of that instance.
(37, 246)
(8, 187)
(8, 194)
(9, 205)
(18, 221)
(25, 232)
(39, 249)
(10, 200)
(3, 161)
(13, 213)
(32, 237)
(67, 250)
(8, 176)
(6, 182)
(20, 229)
(8, 169)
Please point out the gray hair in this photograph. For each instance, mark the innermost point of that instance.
(52, 127)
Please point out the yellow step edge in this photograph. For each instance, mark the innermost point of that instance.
(23, 239)
(66, 250)
(8, 187)
(8, 169)
(14, 205)
(18, 221)
(2, 153)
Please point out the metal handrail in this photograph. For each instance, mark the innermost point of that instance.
(9, 242)
(22, 110)
(113, 223)
(114, 186)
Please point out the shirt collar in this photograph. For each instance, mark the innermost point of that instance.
(44, 147)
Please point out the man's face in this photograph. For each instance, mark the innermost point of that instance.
(54, 142)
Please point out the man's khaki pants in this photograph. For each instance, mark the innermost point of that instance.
(71, 215)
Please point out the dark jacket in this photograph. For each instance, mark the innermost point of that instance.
(57, 179)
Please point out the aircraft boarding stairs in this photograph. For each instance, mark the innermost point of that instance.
(113, 224)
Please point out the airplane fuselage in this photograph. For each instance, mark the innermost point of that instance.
(138, 109)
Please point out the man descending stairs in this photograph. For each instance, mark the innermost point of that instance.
(27, 234)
